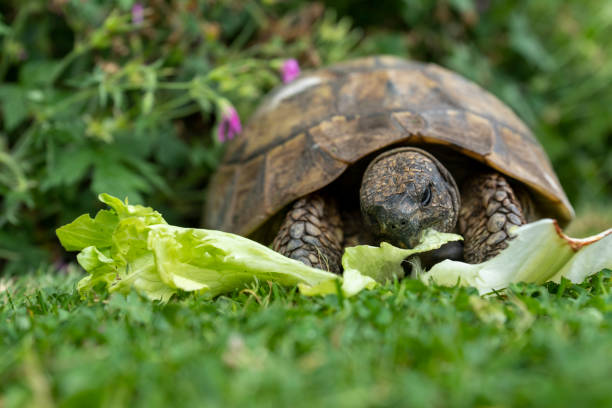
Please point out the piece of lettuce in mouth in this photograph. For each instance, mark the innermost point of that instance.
(379, 263)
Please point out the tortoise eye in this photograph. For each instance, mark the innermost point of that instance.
(426, 197)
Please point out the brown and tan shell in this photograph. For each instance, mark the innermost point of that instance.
(308, 132)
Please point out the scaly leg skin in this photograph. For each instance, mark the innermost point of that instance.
(312, 233)
(488, 211)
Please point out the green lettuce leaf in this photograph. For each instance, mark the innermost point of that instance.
(114, 249)
(365, 266)
(539, 253)
(385, 262)
(85, 231)
(351, 283)
(215, 262)
(132, 247)
(101, 267)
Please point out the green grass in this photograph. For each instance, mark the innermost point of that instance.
(401, 345)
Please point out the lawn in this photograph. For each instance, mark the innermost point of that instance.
(404, 344)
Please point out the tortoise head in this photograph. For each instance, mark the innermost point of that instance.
(405, 191)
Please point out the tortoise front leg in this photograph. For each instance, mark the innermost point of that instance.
(488, 211)
(312, 233)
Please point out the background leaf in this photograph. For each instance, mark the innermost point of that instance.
(14, 106)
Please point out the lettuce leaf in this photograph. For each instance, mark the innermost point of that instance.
(384, 262)
(132, 247)
(539, 253)
(217, 262)
(365, 266)
(85, 231)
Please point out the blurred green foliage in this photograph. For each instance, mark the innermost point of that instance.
(95, 99)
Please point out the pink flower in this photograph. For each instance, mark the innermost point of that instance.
(290, 70)
(230, 124)
(137, 14)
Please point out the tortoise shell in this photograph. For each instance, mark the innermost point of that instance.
(308, 132)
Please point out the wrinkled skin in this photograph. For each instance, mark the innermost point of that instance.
(405, 191)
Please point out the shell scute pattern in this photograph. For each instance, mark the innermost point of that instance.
(306, 134)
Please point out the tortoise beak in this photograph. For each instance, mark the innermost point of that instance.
(408, 236)
(396, 224)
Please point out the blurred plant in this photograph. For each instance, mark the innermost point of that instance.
(122, 97)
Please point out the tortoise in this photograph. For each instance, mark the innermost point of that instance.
(379, 149)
